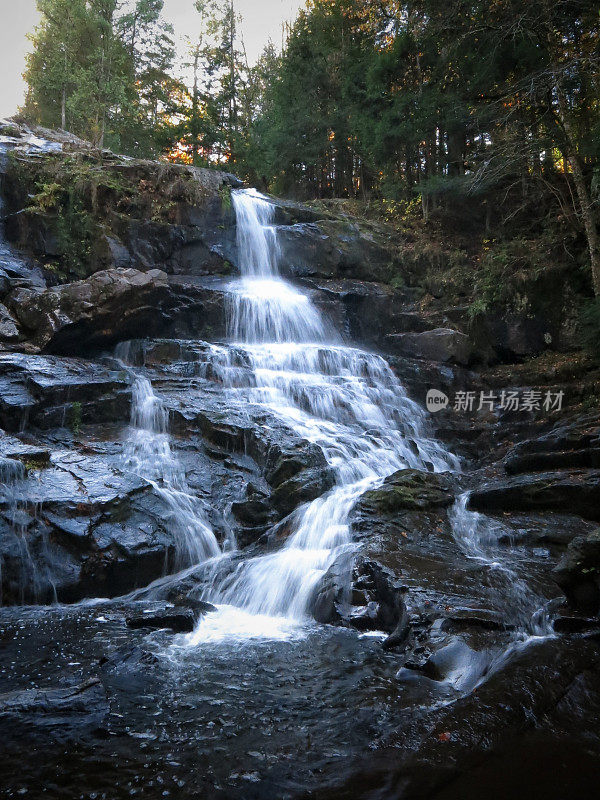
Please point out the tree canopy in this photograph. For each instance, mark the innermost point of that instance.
(481, 104)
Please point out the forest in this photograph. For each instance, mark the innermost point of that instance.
(300, 402)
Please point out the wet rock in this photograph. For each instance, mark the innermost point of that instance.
(307, 484)
(467, 618)
(441, 344)
(553, 530)
(107, 307)
(408, 489)
(577, 492)
(368, 311)
(5, 283)
(8, 327)
(569, 445)
(60, 711)
(578, 572)
(333, 249)
(457, 664)
(542, 462)
(330, 603)
(178, 621)
(50, 391)
(131, 669)
(361, 595)
(80, 527)
(566, 624)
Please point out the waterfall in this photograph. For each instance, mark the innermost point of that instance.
(261, 307)
(345, 400)
(148, 453)
(477, 536)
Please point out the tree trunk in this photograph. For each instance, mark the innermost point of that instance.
(589, 223)
(583, 195)
(63, 109)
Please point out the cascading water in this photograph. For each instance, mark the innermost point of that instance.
(148, 454)
(346, 401)
(477, 536)
(261, 306)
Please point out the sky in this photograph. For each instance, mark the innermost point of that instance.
(262, 20)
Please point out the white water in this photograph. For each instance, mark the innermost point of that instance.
(283, 357)
(148, 454)
(346, 401)
(477, 536)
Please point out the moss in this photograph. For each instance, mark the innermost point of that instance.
(408, 490)
(7, 129)
(75, 417)
(83, 195)
(225, 194)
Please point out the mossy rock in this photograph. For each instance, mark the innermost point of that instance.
(408, 489)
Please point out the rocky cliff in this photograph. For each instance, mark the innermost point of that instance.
(104, 250)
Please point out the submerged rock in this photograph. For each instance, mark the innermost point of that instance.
(56, 711)
(177, 620)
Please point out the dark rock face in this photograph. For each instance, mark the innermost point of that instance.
(106, 308)
(567, 446)
(442, 344)
(332, 249)
(138, 214)
(74, 521)
(578, 572)
(49, 392)
(516, 336)
(577, 492)
(80, 527)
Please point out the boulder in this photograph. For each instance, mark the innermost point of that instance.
(408, 489)
(176, 620)
(362, 595)
(441, 344)
(109, 306)
(578, 572)
(55, 711)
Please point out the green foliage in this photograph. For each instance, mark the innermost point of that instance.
(76, 233)
(225, 194)
(103, 72)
